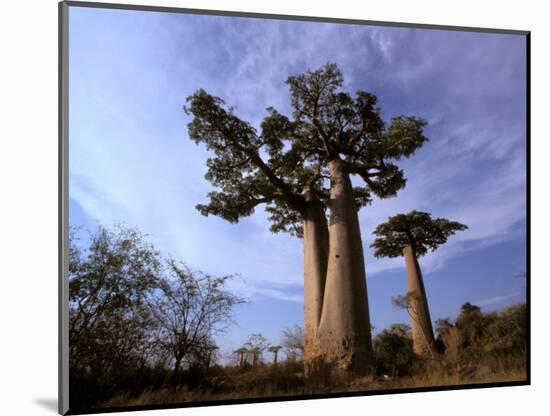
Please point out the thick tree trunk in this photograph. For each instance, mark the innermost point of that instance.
(316, 242)
(421, 323)
(344, 330)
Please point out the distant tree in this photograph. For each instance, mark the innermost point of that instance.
(242, 352)
(472, 324)
(403, 330)
(190, 308)
(448, 339)
(256, 344)
(394, 350)
(298, 167)
(133, 313)
(442, 325)
(469, 310)
(507, 334)
(412, 235)
(275, 350)
(293, 341)
(475, 336)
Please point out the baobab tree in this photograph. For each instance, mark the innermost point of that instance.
(412, 235)
(275, 350)
(242, 355)
(256, 345)
(298, 167)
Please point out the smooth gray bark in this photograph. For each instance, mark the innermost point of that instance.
(344, 330)
(316, 243)
(421, 323)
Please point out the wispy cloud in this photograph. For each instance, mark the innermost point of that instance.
(131, 159)
(496, 300)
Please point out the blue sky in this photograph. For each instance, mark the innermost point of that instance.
(131, 160)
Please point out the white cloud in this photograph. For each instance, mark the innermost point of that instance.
(495, 300)
(132, 161)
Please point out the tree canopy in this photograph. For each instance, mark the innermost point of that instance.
(417, 229)
(109, 283)
(189, 308)
(293, 341)
(394, 350)
(133, 309)
(274, 164)
(256, 344)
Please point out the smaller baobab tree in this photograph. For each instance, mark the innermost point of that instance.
(256, 345)
(275, 350)
(242, 352)
(412, 235)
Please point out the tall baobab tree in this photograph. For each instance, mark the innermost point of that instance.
(412, 235)
(298, 167)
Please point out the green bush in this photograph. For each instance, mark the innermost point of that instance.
(393, 348)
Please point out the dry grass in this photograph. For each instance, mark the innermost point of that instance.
(433, 380)
(267, 381)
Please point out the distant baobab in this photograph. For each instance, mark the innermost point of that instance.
(242, 355)
(411, 235)
(256, 345)
(275, 350)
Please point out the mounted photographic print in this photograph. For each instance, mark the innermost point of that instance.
(265, 208)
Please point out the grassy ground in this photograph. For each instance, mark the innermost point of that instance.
(283, 380)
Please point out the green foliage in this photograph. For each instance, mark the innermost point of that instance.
(468, 310)
(442, 326)
(394, 350)
(133, 313)
(244, 180)
(402, 330)
(507, 333)
(109, 320)
(405, 301)
(416, 229)
(132, 310)
(476, 335)
(473, 344)
(272, 166)
(108, 287)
